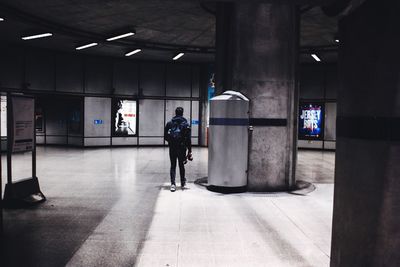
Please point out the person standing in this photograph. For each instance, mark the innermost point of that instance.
(178, 135)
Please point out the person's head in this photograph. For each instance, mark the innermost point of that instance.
(179, 111)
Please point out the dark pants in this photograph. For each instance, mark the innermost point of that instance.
(177, 153)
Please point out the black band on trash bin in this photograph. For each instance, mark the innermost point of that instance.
(229, 121)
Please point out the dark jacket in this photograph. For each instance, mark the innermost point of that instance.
(186, 133)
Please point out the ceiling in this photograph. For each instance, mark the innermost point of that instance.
(162, 27)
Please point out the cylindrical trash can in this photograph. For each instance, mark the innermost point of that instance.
(228, 142)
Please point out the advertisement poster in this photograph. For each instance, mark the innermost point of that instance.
(23, 123)
(124, 117)
(311, 121)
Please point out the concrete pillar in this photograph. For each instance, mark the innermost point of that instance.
(366, 215)
(257, 55)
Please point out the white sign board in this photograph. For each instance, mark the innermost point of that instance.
(3, 103)
(23, 109)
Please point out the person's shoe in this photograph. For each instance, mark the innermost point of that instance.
(183, 185)
(173, 188)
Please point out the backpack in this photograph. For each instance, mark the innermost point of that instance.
(177, 132)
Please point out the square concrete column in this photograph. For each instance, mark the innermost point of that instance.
(366, 215)
(257, 56)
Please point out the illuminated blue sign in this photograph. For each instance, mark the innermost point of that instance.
(311, 121)
(195, 122)
(98, 121)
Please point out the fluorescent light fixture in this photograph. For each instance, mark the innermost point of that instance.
(178, 56)
(36, 36)
(86, 46)
(316, 57)
(133, 52)
(337, 40)
(1, 19)
(121, 36)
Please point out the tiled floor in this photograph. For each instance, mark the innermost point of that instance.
(113, 207)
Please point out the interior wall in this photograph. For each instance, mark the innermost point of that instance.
(158, 87)
(151, 122)
(97, 122)
(125, 78)
(69, 74)
(319, 83)
(39, 71)
(152, 79)
(62, 120)
(56, 122)
(178, 81)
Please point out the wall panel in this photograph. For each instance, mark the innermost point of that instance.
(56, 140)
(151, 117)
(178, 80)
(330, 121)
(125, 78)
(56, 118)
(69, 73)
(124, 141)
(311, 82)
(152, 79)
(97, 141)
(97, 117)
(11, 67)
(151, 141)
(330, 145)
(75, 141)
(171, 105)
(195, 81)
(332, 82)
(310, 144)
(40, 139)
(40, 70)
(98, 77)
(195, 141)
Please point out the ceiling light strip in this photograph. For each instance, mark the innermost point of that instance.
(121, 36)
(316, 57)
(86, 46)
(1, 19)
(133, 52)
(37, 36)
(178, 56)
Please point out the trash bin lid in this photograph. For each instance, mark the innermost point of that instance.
(230, 95)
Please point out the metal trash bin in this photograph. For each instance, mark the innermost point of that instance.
(228, 142)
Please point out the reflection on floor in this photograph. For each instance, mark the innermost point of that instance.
(112, 207)
(316, 166)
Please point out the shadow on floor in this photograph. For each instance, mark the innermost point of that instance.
(51, 233)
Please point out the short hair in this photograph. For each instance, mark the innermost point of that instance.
(179, 111)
